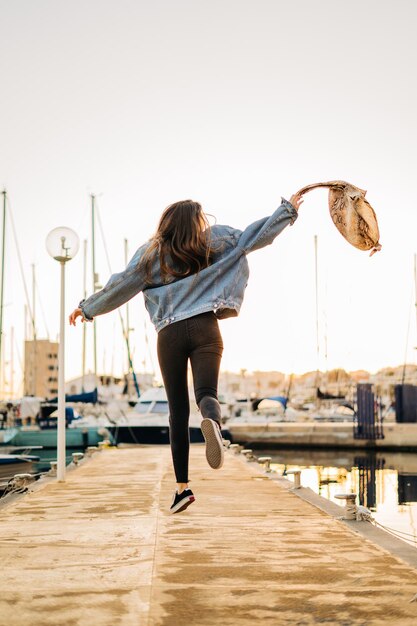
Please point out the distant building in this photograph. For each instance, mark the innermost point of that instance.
(41, 368)
(108, 385)
(252, 384)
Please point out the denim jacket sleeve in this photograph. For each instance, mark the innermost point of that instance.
(119, 289)
(263, 232)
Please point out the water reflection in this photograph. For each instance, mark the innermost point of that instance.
(386, 482)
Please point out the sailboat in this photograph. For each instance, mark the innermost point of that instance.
(148, 421)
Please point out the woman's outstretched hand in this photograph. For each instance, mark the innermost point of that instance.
(296, 200)
(76, 313)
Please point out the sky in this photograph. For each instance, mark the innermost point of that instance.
(233, 103)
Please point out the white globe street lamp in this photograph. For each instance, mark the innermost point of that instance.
(62, 244)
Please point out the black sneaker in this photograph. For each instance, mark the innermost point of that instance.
(181, 501)
(214, 443)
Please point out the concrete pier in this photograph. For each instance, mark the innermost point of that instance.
(321, 434)
(101, 549)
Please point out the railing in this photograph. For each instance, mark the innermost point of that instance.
(368, 419)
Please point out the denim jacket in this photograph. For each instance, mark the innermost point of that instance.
(219, 287)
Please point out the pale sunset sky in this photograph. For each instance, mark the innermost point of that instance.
(233, 103)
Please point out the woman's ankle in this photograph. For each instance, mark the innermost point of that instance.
(210, 408)
(181, 487)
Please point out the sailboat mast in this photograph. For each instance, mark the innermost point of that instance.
(84, 325)
(34, 352)
(93, 256)
(126, 332)
(26, 338)
(415, 284)
(317, 307)
(12, 363)
(33, 299)
(2, 271)
(415, 288)
(127, 313)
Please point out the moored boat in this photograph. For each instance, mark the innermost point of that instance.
(11, 464)
(148, 421)
(76, 437)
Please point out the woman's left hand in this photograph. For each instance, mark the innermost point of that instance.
(297, 200)
(76, 313)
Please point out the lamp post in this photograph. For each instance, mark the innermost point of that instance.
(62, 245)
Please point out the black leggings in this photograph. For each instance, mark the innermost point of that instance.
(197, 338)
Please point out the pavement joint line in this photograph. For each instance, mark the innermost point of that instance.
(395, 547)
(155, 547)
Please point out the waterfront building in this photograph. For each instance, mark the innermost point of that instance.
(41, 368)
(255, 384)
(109, 385)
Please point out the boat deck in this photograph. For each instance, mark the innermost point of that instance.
(100, 548)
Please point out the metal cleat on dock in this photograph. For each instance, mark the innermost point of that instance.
(248, 454)
(77, 457)
(350, 505)
(91, 449)
(226, 443)
(266, 462)
(297, 477)
(235, 448)
(20, 481)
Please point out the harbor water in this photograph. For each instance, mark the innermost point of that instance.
(385, 482)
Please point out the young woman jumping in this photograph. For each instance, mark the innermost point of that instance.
(191, 275)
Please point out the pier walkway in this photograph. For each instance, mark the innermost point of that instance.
(101, 549)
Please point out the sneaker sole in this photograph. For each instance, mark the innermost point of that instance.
(214, 443)
(181, 506)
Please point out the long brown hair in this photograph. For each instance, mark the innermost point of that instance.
(183, 237)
